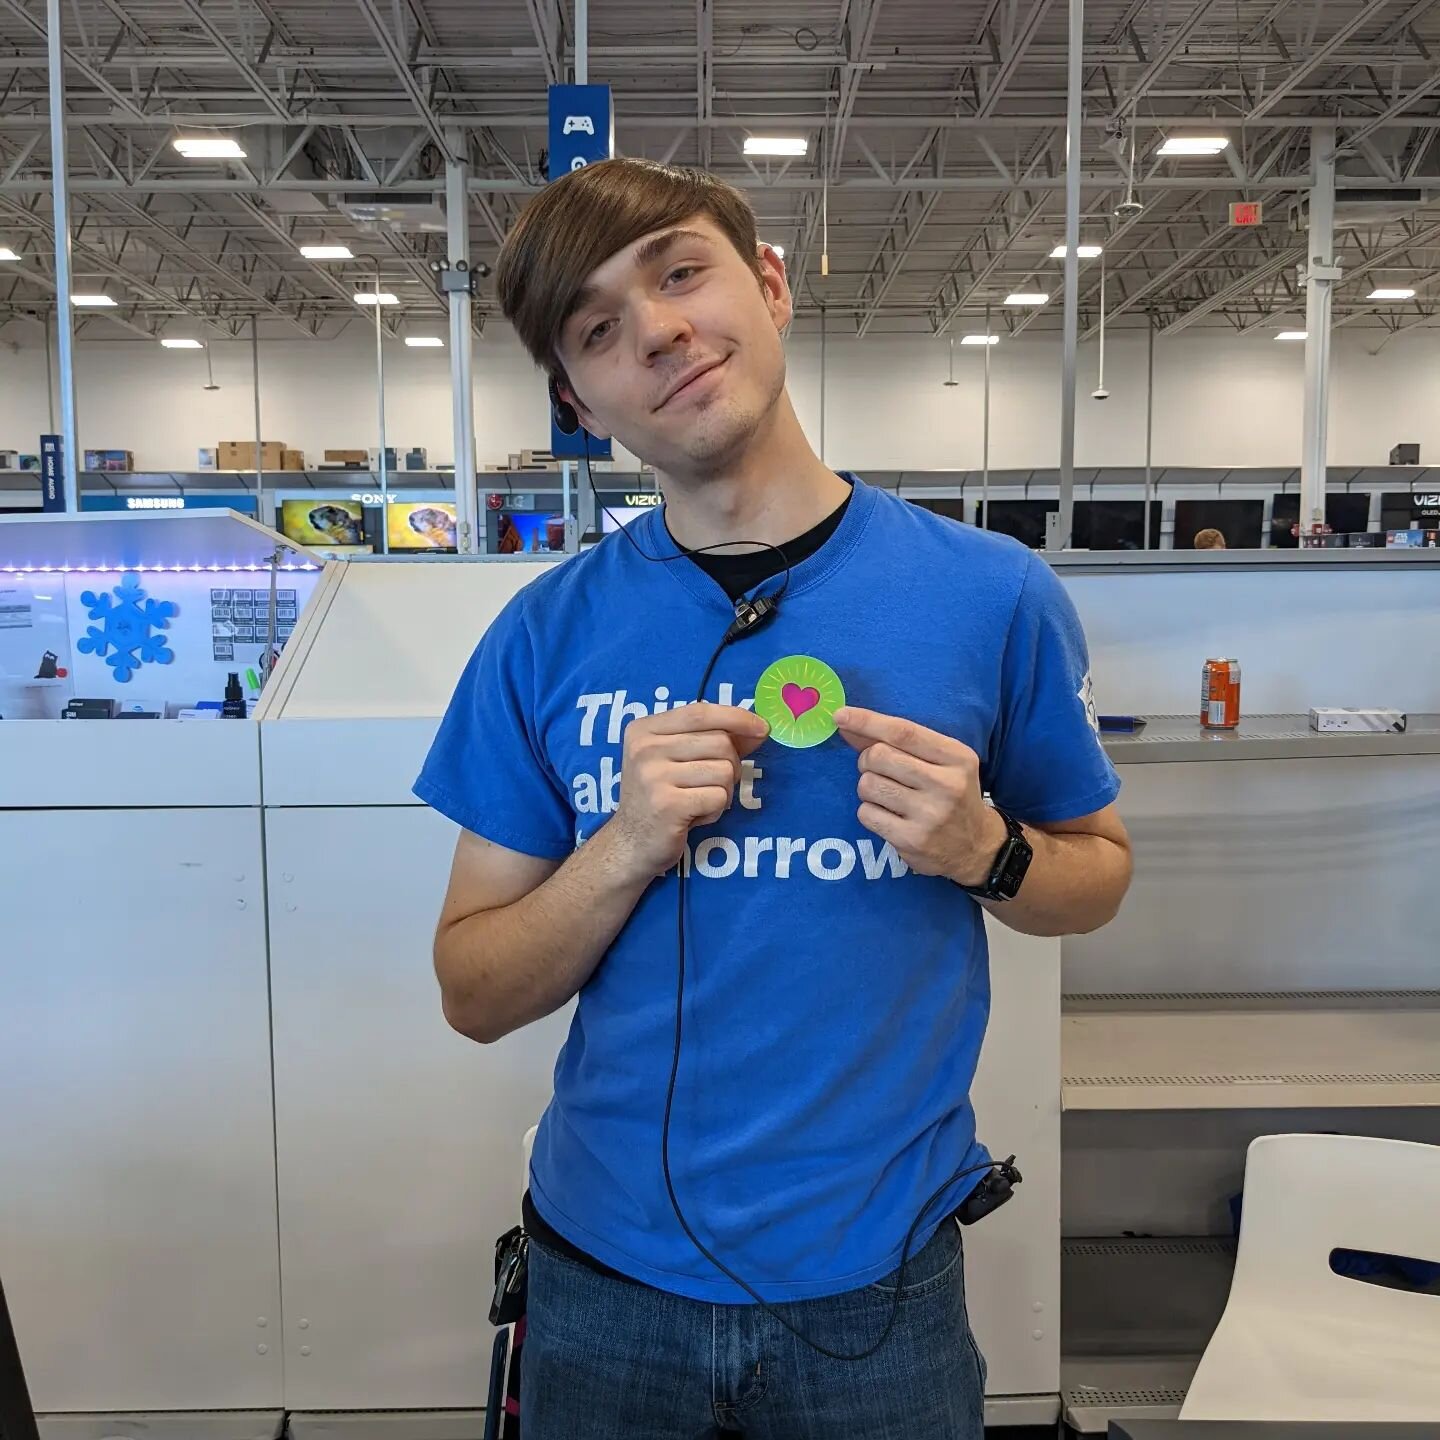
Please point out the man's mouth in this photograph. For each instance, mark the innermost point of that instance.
(688, 382)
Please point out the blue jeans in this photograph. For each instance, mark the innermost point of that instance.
(608, 1360)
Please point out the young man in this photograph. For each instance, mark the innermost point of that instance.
(836, 985)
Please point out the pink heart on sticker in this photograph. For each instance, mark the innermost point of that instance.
(798, 700)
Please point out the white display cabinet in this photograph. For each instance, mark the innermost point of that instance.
(138, 1236)
(399, 1142)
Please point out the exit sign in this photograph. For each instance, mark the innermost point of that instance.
(1246, 212)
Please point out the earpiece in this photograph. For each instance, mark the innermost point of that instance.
(567, 422)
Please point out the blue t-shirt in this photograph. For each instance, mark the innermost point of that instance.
(835, 1002)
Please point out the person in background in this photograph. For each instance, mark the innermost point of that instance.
(1210, 540)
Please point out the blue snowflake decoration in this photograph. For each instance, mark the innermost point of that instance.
(124, 629)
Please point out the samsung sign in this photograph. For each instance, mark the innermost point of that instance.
(133, 504)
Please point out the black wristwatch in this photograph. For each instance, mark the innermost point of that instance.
(1011, 864)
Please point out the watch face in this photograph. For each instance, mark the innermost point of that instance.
(1015, 867)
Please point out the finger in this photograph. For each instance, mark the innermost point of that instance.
(881, 822)
(705, 715)
(896, 765)
(705, 807)
(698, 745)
(863, 728)
(897, 799)
(697, 774)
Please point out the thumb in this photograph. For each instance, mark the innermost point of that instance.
(747, 745)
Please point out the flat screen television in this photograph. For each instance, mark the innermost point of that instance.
(526, 532)
(1344, 514)
(323, 522)
(1098, 525)
(424, 525)
(1239, 521)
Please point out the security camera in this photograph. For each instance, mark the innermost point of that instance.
(1101, 394)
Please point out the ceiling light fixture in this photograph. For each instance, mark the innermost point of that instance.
(1391, 292)
(209, 147)
(7, 254)
(1194, 145)
(777, 145)
(1027, 297)
(326, 252)
(1293, 335)
(369, 297)
(182, 344)
(1085, 252)
(979, 339)
(96, 301)
(424, 342)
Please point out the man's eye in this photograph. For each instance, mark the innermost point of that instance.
(597, 332)
(681, 272)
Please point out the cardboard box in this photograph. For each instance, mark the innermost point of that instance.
(109, 460)
(1331, 721)
(348, 457)
(240, 454)
(292, 460)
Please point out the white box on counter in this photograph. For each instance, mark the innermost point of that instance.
(1329, 720)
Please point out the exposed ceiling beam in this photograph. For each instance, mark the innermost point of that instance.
(1361, 136)
(1364, 16)
(218, 38)
(401, 67)
(1164, 56)
(547, 38)
(74, 59)
(1244, 286)
(1011, 62)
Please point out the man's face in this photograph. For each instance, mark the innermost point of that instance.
(674, 347)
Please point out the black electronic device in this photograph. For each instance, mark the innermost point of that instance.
(1405, 455)
(995, 1190)
(1009, 868)
(1239, 521)
(79, 709)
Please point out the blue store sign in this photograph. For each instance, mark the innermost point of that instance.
(52, 472)
(582, 131)
(141, 504)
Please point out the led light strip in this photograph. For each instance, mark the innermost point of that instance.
(147, 569)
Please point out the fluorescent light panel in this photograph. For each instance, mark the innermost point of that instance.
(1293, 335)
(92, 300)
(1391, 292)
(424, 342)
(326, 252)
(776, 145)
(182, 344)
(1194, 145)
(209, 147)
(7, 254)
(1085, 252)
(369, 297)
(1027, 297)
(979, 339)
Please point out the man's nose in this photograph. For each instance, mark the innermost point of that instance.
(662, 328)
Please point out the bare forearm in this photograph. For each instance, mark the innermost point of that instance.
(502, 969)
(1075, 885)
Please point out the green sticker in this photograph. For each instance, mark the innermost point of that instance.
(798, 696)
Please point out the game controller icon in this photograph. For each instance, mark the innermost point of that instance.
(580, 122)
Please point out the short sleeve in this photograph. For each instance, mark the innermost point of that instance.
(1046, 762)
(486, 769)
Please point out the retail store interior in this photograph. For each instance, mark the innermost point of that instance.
(1151, 289)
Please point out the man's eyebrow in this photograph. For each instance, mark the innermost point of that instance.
(649, 253)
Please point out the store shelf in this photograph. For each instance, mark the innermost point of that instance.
(1095, 1391)
(1179, 739)
(1359, 1049)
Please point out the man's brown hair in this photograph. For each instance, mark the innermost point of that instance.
(583, 219)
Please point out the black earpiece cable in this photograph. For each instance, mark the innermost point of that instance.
(750, 615)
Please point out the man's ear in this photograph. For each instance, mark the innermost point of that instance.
(775, 286)
(587, 417)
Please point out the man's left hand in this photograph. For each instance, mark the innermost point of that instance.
(920, 790)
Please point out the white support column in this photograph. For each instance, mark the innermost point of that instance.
(64, 314)
(1321, 275)
(1068, 361)
(582, 42)
(462, 387)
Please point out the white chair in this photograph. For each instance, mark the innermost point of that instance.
(1298, 1342)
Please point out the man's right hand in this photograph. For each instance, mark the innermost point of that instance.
(679, 769)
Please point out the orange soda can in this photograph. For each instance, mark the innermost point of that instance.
(1220, 694)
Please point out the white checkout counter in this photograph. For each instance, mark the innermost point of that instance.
(252, 1170)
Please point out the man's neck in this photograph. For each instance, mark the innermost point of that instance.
(773, 492)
